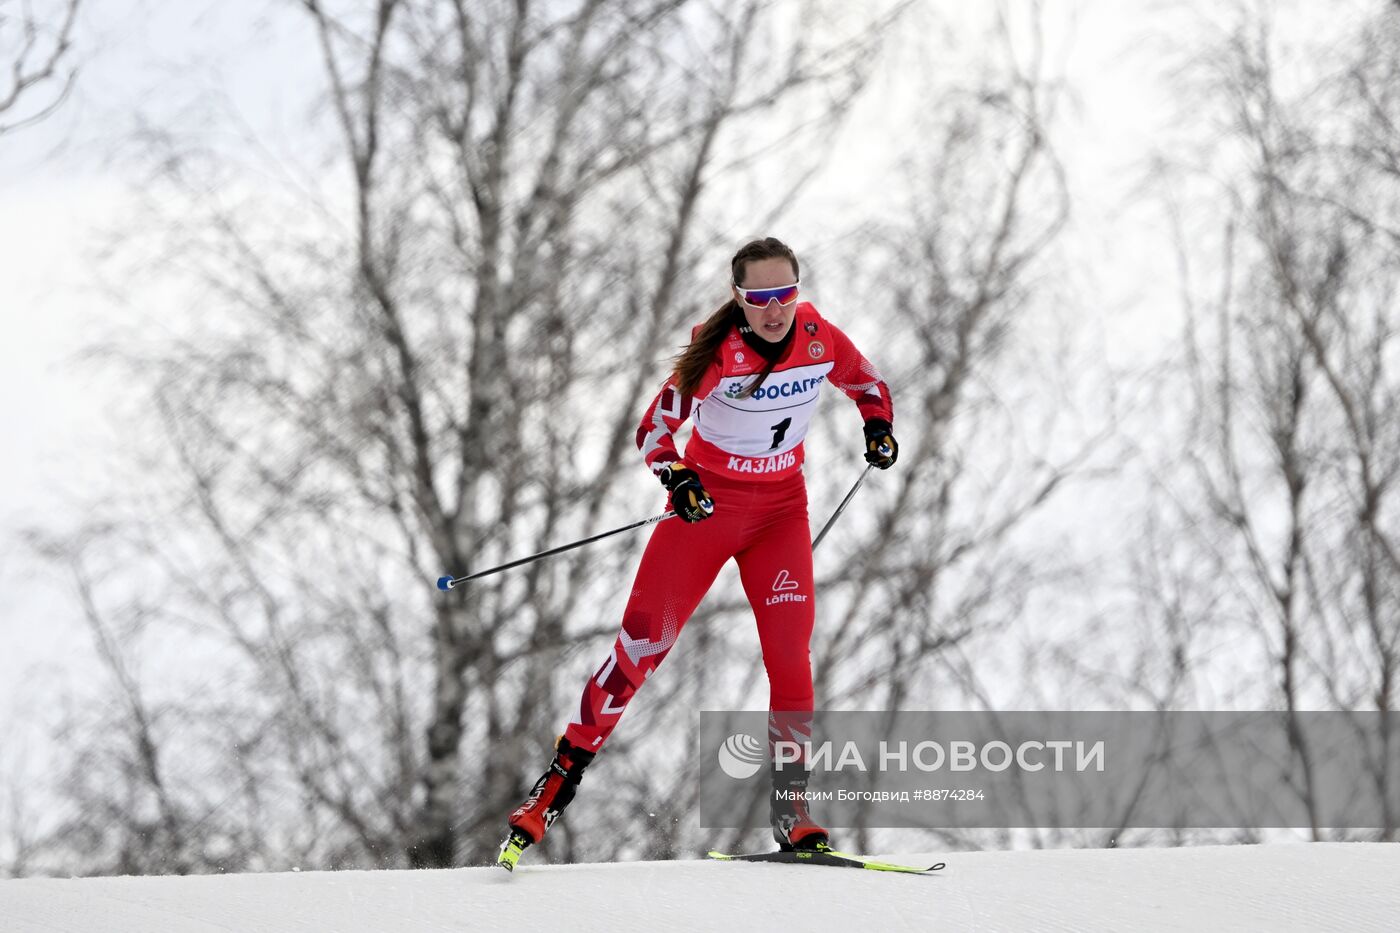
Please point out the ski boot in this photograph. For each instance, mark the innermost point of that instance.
(793, 826)
(550, 795)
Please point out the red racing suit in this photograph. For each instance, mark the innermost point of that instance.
(748, 453)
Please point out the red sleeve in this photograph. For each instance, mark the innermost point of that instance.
(666, 413)
(858, 378)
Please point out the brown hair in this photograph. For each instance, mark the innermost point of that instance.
(695, 358)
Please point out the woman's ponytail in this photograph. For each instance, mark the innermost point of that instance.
(695, 359)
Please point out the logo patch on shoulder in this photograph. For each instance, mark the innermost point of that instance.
(815, 349)
(811, 328)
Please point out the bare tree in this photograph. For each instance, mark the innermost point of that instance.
(19, 819)
(944, 571)
(35, 51)
(430, 358)
(1293, 446)
(933, 567)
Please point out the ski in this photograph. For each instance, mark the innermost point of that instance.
(824, 857)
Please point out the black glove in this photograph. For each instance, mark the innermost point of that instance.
(880, 446)
(689, 499)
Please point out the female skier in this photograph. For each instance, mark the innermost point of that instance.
(750, 379)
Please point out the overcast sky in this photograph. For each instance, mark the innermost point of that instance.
(63, 187)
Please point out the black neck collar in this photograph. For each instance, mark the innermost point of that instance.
(769, 350)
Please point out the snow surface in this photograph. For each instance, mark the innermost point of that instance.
(1335, 886)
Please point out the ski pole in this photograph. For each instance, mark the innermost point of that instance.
(447, 583)
(840, 508)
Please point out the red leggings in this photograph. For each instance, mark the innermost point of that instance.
(763, 526)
